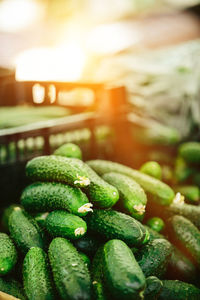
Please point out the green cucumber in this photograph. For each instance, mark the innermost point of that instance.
(70, 273)
(191, 193)
(154, 257)
(164, 194)
(63, 224)
(12, 287)
(152, 168)
(189, 211)
(6, 214)
(73, 172)
(190, 152)
(85, 259)
(153, 288)
(187, 235)
(69, 150)
(153, 235)
(8, 254)
(181, 268)
(24, 230)
(156, 224)
(87, 244)
(48, 196)
(36, 275)
(99, 292)
(178, 290)
(123, 277)
(182, 171)
(132, 197)
(112, 224)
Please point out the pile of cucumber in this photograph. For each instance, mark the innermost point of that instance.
(101, 230)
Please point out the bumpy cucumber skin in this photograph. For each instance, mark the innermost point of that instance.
(48, 196)
(36, 275)
(63, 224)
(156, 224)
(130, 192)
(85, 259)
(87, 244)
(164, 194)
(187, 234)
(112, 224)
(181, 268)
(6, 214)
(69, 150)
(8, 254)
(190, 152)
(97, 276)
(152, 168)
(12, 287)
(24, 231)
(70, 273)
(191, 193)
(123, 277)
(189, 211)
(153, 288)
(178, 290)
(154, 257)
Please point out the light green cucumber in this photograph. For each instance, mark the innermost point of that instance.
(8, 254)
(132, 197)
(156, 224)
(162, 192)
(69, 150)
(152, 168)
(190, 152)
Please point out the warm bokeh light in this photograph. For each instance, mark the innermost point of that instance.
(18, 14)
(64, 63)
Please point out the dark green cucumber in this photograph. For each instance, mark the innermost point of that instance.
(162, 192)
(48, 196)
(190, 152)
(76, 173)
(153, 288)
(178, 290)
(69, 150)
(189, 211)
(191, 193)
(85, 259)
(181, 268)
(132, 197)
(153, 235)
(123, 277)
(112, 224)
(24, 230)
(12, 287)
(156, 224)
(154, 257)
(6, 214)
(70, 273)
(152, 168)
(63, 224)
(185, 233)
(87, 244)
(36, 275)
(99, 292)
(8, 254)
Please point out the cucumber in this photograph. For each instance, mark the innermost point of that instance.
(190, 152)
(86, 259)
(73, 172)
(36, 275)
(181, 268)
(112, 224)
(63, 224)
(132, 197)
(69, 150)
(99, 292)
(187, 235)
(178, 290)
(70, 273)
(164, 194)
(12, 287)
(24, 230)
(48, 196)
(156, 224)
(87, 244)
(154, 257)
(40, 218)
(8, 254)
(182, 171)
(153, 288)
(6, 214)
(191, 193)
(189, 211)
(152, 168)
(123, 277)
(153, 235)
